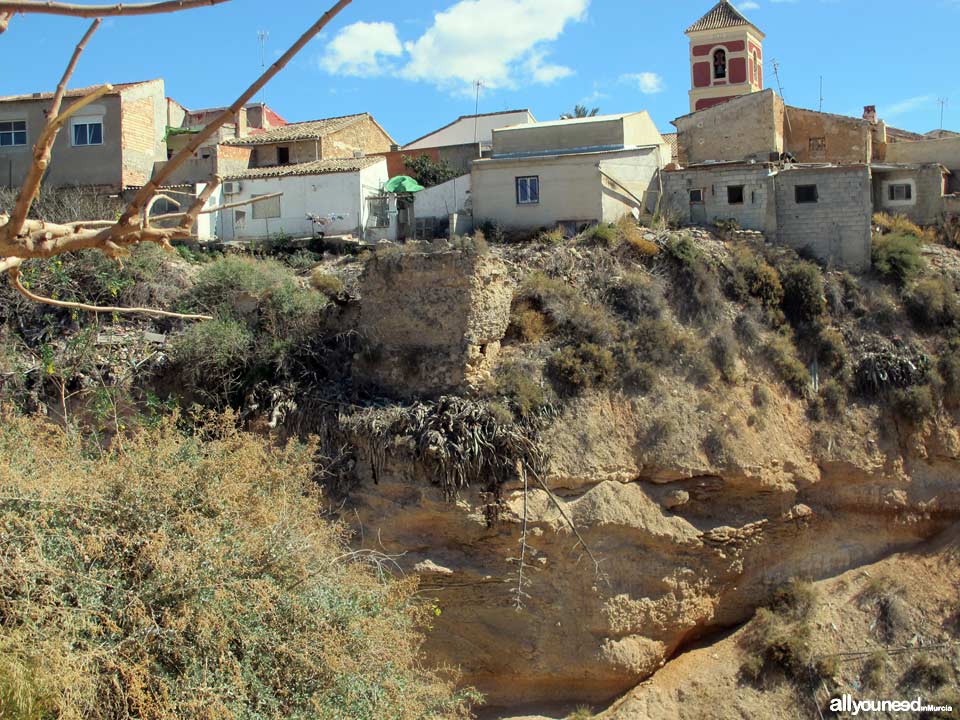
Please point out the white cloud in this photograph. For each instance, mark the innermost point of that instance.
(500, 42)
(905, 106)
(362, 49)
(649, 83)
(748, 5)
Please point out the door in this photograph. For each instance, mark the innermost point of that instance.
(698, 208)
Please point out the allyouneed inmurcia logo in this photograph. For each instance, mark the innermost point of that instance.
(846, 704)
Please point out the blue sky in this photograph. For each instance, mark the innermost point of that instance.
(412, 64)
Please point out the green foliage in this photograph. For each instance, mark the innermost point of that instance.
(914, 404)
(637, 296)
(783, 356)
(575, 369)
(213, 359)
(932, 303)
(527, 396)
(724, 353)
(834, 396)
(427, 172)
(580, 111)
(803, 293)
(326, 283)
(602, 235)
(696, 286)
(754, 277)
(897, 257)
(190, 577)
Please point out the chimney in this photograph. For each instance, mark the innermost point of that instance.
(870, 113)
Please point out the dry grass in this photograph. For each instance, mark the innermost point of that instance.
(902, 224)
(192, 577)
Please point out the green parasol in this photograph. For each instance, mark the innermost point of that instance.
(402, 183)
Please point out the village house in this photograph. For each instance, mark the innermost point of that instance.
(325, 196)
(570, 173)
(112, 143)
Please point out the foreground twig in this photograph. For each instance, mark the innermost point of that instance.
(518, 603)
(43, 7)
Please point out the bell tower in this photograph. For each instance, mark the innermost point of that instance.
(726, 57)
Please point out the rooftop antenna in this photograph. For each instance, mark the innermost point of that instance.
(262, 36)
(942, 102)
(776, 74)
(821, 93)
(478, 84)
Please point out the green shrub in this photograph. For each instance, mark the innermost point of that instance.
(566, 310)
(834, 396)
(527, 323)
(658, 342)
(949, 367)
(724, 353)
(783, 356)
(602, 235)
(192, 577)
(325, 283)
(832, 350)
(696, 285)
(932, 304)
(211, 360)
(526, 395)
(581, 367)
(753, 277)
(897, 257)
(927, 672)
(803, 293)
(914, 404)
(637, 296)
(683, 251)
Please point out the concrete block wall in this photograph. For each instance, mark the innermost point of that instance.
(756, 212)
(836, 228)
(926, 206)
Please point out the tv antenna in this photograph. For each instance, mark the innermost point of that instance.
(821, 93)
(776, 74)
(478, 85)
(942, 102)
(262, 36)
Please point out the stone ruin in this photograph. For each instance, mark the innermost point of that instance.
(431, 322)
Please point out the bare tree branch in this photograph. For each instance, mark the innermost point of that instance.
(14, 274)
(5, 21)
(44, 7)
(218, 208)
(41, 151)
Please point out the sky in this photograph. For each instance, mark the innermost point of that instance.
(413, 65)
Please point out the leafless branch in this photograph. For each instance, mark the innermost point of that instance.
(44, 7)
(14, 274)
(518, 602)
(5, 21)
(218, 208)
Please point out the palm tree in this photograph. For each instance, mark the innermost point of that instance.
(580, 111)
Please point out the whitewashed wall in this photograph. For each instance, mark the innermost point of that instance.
(441, 200)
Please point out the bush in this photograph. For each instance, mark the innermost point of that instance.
(753, 277)
(834, 397)
(832, 350)
(637, 296)
(527, 324)
(902, 225)
(211, 360)
(552, 237)
(658, 342)
(578, 368)
(783, 356)
(526, 395)
(914, 404)
(716, 444)
(724, 353)
(927, 672)
(631, 234)
(897, 258)
(325, 283)
(932, 304)
(602, 235)
(803, 293)
(795, 600)
(696, 286)
(566, 309)
(194, 577)
(874, 671)
(949, 367)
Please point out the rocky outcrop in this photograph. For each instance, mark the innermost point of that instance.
(687, 540)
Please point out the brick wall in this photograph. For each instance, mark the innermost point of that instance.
(836, 228)
(143, 112)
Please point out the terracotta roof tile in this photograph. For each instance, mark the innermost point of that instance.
(75, 93)
(320, 167)
(723, 15)
(308, 130)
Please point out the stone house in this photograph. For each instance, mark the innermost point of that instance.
(314, 140)
(337, 191)
(112, 143)
(570, 173)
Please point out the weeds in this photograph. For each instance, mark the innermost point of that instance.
(575, 369)
(783, 356)
(897, 258)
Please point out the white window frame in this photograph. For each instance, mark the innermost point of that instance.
(702, 199)
(88, 121)
(526, 179)
(13, 133)
(262, 207)
(887, 188)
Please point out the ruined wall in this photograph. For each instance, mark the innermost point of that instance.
(945, 151)
(814, 137)
(746, 128)
(143, 115)
(432, 322)
(835, 228)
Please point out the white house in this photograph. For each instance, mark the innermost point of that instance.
(337, 190)
(570, 172)
(468, 129)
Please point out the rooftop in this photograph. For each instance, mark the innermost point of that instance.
(320, 167)
(468, 117)
(571, 121)
(75, 93)
(723, 15)
(309, 130)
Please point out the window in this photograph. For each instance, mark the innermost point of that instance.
(283, 156)
(379, 212)
(806, 194)
(696, 196)
(900, 192)
(13, 133)
(720, 65)
(239, 218)
(528, 190)
(87, 131)
(818, 144)
(266, 209)
(735, 195)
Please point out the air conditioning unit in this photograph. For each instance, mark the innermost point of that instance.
(231, 188)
